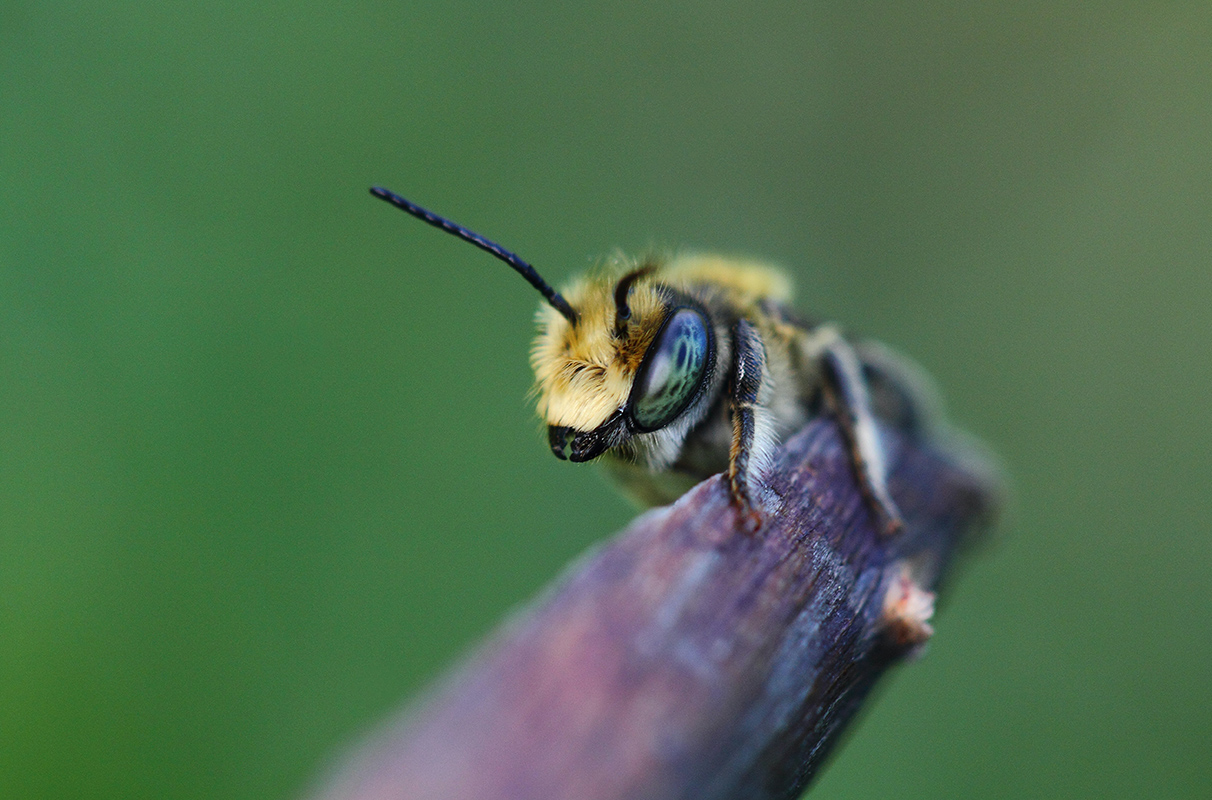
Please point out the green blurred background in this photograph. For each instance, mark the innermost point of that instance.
(268, 465)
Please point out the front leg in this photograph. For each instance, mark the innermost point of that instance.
(752, 434)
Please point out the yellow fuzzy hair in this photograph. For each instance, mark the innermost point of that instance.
(745, 282)
(584, 373)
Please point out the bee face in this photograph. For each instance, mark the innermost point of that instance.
(638, 359)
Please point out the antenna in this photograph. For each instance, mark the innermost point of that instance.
(622, 311)
(528, 272)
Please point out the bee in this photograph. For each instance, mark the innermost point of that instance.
(675, 370)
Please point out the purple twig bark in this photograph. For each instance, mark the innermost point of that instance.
(689, 657)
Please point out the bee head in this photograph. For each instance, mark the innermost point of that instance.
(623, 355)
(637, 357)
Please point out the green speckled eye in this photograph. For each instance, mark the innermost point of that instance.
(672, 371)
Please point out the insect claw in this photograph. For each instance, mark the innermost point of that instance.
(749, 516)
(892, 524)
(752, 520)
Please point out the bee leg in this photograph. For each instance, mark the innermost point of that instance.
(847, 393)
(751, 431)
(901, 393)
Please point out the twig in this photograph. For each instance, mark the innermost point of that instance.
(687, 658)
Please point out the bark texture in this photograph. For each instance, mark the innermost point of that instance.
(689, 657)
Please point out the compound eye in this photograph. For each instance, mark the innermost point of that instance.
(672, 371)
